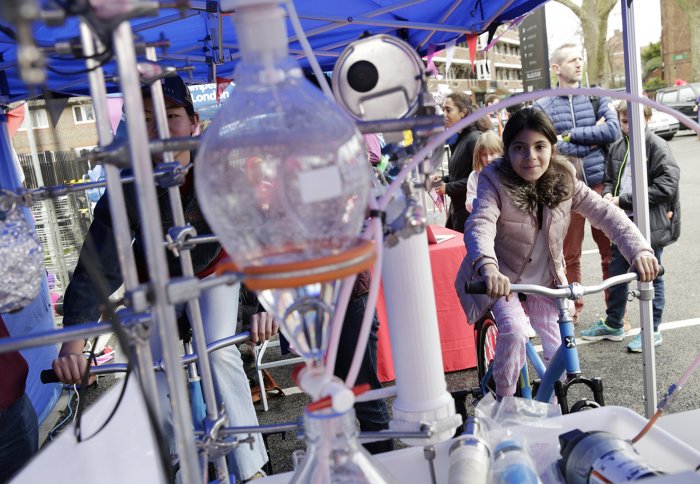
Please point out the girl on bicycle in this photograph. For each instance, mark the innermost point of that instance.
(516, 233)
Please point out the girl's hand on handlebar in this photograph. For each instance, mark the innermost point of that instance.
(497, 284)
(647, 267)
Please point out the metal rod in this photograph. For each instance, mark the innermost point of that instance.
(394, 125)
(397, 24)
(261, 429)
(217, 345)
(140, 350)
(53, 336)
(196, 323)
(155, 256)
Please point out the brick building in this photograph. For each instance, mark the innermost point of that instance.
(675, 33)
(497, 70)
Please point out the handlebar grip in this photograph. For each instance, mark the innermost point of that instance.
(49, 376)
(661, 271)
(475, 287)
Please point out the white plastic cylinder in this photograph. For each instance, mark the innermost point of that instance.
(415, 342)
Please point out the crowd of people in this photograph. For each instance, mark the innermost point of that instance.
(520, 190)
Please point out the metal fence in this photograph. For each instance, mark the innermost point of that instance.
(61, 238)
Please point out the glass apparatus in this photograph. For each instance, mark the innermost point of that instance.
(281, 177)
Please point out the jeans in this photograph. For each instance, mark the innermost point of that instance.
(617, 296)
(19, 437)
(373, 415)
(573, 243)
(219, 307)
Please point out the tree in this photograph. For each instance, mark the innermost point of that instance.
(593, 15)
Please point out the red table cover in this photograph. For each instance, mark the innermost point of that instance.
(456, 336)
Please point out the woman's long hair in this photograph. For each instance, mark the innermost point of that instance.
(463, 103)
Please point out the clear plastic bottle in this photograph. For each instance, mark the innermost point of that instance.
(333, 454)
(512, 464)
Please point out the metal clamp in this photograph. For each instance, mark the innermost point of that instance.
(174, 174)
(178, 239)
(138, 299)
(641, 294)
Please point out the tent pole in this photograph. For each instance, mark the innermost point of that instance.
(640, 194)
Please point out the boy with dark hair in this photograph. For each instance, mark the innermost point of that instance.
(664, 218)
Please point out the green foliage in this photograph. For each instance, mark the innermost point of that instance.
(651, 51)
(653, 84)
(651, 65)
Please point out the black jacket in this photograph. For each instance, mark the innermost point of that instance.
(459, 167)
(663, 175)
(81, 302)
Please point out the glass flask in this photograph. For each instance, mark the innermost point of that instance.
(281, 174)
(333, 454)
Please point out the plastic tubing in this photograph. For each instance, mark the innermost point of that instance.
(670, 395)
(313, 62)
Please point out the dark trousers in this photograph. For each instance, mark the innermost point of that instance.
(456, 217)
(19, 437)
(617, 295)
(374, 415)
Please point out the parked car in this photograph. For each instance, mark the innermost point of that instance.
(681, 98)
(663, 125)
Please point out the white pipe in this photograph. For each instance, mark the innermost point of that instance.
(422, 395)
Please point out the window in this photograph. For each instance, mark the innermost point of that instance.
(686, 94)
(82, 113)
(39, 119)
(669, 97)
(83, 150)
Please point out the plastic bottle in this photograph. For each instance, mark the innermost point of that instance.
(512, 465)
(469, 459)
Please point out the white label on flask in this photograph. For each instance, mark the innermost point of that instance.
(319, 185)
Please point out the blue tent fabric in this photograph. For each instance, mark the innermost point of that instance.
(36, 317)
(330, 26)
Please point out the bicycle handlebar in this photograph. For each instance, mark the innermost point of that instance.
(49, 376)
(572, 291)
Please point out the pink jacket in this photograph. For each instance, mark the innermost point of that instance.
(502, 228)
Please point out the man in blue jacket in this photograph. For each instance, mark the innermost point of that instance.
(584, 126)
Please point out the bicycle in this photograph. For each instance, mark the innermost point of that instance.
(564, 361)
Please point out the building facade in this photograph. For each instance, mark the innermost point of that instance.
(497, 70)
(675, 46)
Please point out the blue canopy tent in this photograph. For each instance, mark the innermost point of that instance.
(201, 37)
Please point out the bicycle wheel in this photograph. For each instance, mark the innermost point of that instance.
(485, 335)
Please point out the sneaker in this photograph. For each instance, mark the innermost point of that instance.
(600, 331)
(635, 346)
